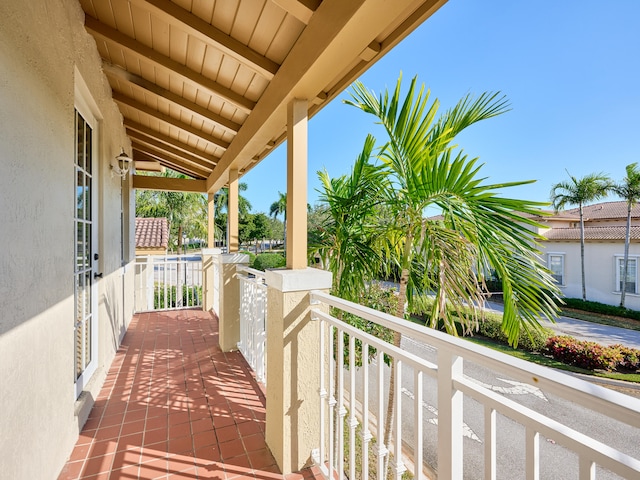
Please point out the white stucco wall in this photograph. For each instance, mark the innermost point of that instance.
(43, 46)
(600, 274)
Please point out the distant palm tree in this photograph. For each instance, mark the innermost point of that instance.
(221, 201)
(279, 207)
(628, 190)
(579, 192)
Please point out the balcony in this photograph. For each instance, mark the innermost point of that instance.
(177, 403)
(175, 406)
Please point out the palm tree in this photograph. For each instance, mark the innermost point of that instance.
(629, 190)
(479, 230)
(279, 207)
(580, 191)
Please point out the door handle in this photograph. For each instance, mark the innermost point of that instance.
(97, 275)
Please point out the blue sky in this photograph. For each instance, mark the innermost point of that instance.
(570, 69)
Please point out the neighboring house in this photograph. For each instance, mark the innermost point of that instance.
(605, 227)
(152, 236)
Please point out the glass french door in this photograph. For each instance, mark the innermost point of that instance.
(85, 285)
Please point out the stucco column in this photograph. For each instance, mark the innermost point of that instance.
(232, 212)
(297, 140)
(293, 366)
(210, 279)
(229, 308)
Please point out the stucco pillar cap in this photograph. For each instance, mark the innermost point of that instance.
(211, 251)
(232, 258)
(298, 280)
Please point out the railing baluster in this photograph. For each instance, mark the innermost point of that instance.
(489, 443)
(399, 467)
(366, 433)
(341, 410)
(419, 423)
(332, 400)
(353, 422)
(382, 448)
(324, 401)
(587, 469)
(449, 416)
(532, 448)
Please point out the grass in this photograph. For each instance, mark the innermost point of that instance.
(612, 321)
(550, 362)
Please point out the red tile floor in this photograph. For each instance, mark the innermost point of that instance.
(174, 406)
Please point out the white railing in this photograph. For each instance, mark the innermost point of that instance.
(253, 313)
(164, 282)
(503, 436)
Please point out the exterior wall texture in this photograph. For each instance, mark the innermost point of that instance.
(45, 53)
(600, 273)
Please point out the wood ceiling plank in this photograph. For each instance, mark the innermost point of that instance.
(194, 25)
(145, 53)
(151, 136)
(267, 27)
(286, 36)
(166, 153)
(152, 88)
(131, 103)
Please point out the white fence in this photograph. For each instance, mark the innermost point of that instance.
(518, 441)
(165, 282)
(253, 312)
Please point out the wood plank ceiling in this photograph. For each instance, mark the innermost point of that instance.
(203, 85)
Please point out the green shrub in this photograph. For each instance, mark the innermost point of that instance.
(592, 355)
(596, 307)
(268, 260)
(191, 295)
(252, 257)
(489, 325)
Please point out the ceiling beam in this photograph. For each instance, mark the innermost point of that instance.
(323, 60)
(151, 88)
(195, 26)
(169, 141)
(301, 9)
(185, 127)
(139, 156)
(166, 153)
(148, 182)
(149, 55)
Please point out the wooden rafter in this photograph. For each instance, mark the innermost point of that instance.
(152, 89)
(149, 55)
(301, 9)
(169, 156)
(185, 127)
(195, 26)
(141, 132)
(140, 156)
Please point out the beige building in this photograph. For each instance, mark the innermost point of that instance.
(205, 91)
(605, 228)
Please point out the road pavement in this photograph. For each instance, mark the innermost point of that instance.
(593, 332)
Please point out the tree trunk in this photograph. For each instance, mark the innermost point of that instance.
(584, 287)
(627, 240)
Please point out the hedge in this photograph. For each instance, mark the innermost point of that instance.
(592, 355)
(602, 308)
(268, 260)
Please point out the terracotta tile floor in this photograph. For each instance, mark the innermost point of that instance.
(174, 406)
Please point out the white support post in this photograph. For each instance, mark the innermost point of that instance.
(450, 458)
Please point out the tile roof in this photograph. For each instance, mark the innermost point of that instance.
(152, 232)
(593, 233)
(607, 210)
